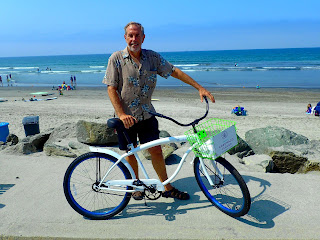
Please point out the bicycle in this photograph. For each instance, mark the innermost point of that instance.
(99, 184)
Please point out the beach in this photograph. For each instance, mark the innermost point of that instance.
(282, 107)
(32, 203)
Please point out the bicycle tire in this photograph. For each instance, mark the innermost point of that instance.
(83, 175)
(231, 196)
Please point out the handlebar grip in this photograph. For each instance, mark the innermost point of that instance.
(156, 114)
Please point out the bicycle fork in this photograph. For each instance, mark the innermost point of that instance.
(216, 174)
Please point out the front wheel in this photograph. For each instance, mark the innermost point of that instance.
(81, 186)
(229, 192)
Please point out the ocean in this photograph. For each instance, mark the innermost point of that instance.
(266, 68)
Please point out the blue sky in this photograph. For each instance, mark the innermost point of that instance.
(62, 27)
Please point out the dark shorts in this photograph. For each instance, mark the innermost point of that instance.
(145, 130)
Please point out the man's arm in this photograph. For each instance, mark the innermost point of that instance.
(177, 73)
(127, 120)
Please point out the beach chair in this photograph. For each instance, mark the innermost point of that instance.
(316, 110)
(239, 111)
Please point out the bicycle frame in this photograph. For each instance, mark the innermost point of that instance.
(147, 181)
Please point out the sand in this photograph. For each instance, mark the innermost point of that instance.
(32, 202)
(265, 107)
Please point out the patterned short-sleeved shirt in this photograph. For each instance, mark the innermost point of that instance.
(135, 84)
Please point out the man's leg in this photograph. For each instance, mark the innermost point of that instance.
(134, 164)
(159, 165)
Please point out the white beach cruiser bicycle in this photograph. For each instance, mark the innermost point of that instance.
(99, 184)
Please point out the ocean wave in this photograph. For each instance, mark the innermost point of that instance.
(92, 71)
(266, 68)
(18, 68)
(97, 67)
(186, 65)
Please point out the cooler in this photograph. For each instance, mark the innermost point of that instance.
(4, 131)
(31, 125)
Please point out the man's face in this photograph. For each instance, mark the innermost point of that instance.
(134, 38)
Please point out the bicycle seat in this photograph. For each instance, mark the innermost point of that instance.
(115, 123)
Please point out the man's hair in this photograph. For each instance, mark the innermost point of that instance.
(134, 23)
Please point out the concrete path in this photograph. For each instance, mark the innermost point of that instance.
(32, 204)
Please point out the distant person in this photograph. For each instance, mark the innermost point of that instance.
(309, 109)
(1, 81)
(71, 81)
(64, 85)
(74, 82)
(8, 80)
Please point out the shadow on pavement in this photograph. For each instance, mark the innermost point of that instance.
(264, 208)
(3, 189)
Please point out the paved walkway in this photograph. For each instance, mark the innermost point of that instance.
(32, 204)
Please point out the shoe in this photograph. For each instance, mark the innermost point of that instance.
(138, 195)
(175, 193)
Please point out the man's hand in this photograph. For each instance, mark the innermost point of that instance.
(204, 92)
(128, 120)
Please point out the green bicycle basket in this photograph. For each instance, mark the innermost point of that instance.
(210, 131)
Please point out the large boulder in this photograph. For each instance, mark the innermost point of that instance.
(260, 163)
(52, 149)
(242, 149)
(287, 162)
(57, 144)
(95, 133)
(261, 139)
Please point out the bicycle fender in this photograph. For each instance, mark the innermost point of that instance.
(115, 155)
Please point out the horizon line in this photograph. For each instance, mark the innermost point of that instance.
(182, 51)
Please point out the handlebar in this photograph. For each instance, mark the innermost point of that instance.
(181, 124)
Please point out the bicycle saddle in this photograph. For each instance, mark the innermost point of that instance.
(115, 123)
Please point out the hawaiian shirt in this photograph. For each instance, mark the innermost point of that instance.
(135, 84)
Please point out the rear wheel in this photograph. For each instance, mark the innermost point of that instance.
(81, 182)
(230, 193)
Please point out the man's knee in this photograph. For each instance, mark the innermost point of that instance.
(155, 151)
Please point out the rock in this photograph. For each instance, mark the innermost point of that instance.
(12, 140)
(241, 147)
(261, 139)
(30, 144)
(311, 166)
(261, 163)
(65, 131)
(21, 148)
(95, 133)
(52, 149)
(39, 140)
(287, 162)
(311, 150)
(77, 145)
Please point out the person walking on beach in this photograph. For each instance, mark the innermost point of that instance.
(131, 77)
(1, 81)
(8, 80)
(71, 81)
(74, 82)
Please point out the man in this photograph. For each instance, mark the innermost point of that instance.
(131, 78)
